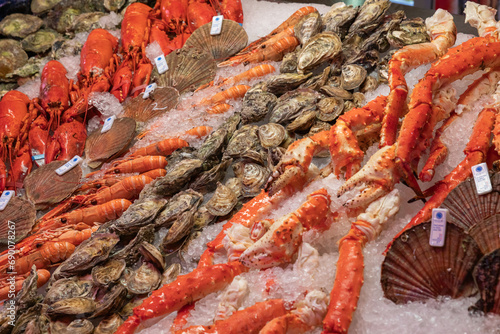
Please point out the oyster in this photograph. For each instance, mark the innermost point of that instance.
(64, 48)
(40, 6)
(206, 181)
(40, 41)
(109, 324)
(352, 76)
(273, 134)
(181, 227)
(171, 273)
(334, 81)
(20, 25)
(222, 201)
(44, 187)
(213, 144)
(235, 185)
(12, 57)
(339, 17)
(348, 105)
(68, 288)
(253, 177)
(109, 272)
(117, 140)
(138, 215)
(304, 121)
(291, 104)
(189, 68)
(336, 92)
(371, 83)
(160, 101)
(143, 280)
(77, 326)
(19, 214)
(177, 176)
(114, 5)
(72, 306)
(153, 255)
(87, 22)
(66, 20)
(110, 301)
(257, 103)
(282, 83)
(409, 32)
(188, 200)
(31, 68)
(307, 27)
(415, 271)
(486, 275)
(89, 253)
(358, 99)
(321, 47)
(289, 62)
(329, 109)
(231, 39)
(131, 252)
(370, 15)
(317, 81)
(202, 218)
(245, 144)
(230, 125)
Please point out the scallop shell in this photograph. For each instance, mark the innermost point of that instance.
(160, 101)
(272, 134)
(232, 39)
(222, 202)
(415, 271)
(486, 274)
(44, 187)
(117, 140)
(487, 234)
(466, 208)
(188, 68)
(20, 213)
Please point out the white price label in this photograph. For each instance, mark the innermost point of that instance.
(161, 64)
(108, 123)
(438, 227)
(482, 178)
(216, 25)
(5, 198)
(149, 89)
(69, 165)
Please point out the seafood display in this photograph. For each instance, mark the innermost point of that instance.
(254, 187)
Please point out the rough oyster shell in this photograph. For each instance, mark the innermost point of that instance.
(72, 306)
(40, 6)
(189, 68)
(188, 200)
(222, 201)
(410, 32)
(245, 144)
(68, 288)
(321, 47)
(307, 27)
(19, 213)
(12, 57)
(77, 326)
(117, 140)
(253, 177)
(160, 101)
(370, 15)
(339, 17)
(20, 25)
(352, 76)
(131, 252)
(486, 274)
(282, 83)
(40, 41)
(181, 227)
(108, 272)
(272, 134)
(143, 280)
(112, 300)
(257, 103)
(466, 208)
(153, 255)
(304, 121)
(87, 22)
(336, 92)
(109, 324)
(329, 109)
(44, 187)
(231, 39)
(290, 105)
(371, 83)
(415, 271)
(289, 62)
(207, 181)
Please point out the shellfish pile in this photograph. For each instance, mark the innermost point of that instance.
(138, 246)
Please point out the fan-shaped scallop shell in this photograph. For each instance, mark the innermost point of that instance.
(487, 233)
(20, 213)
(160, 101)
(45, 187)
(466, 208)
(188, 68)
(117, 140)
(486, 275)
(232, 39)
(415, 271)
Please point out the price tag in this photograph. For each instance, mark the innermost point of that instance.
(69, 165)
(149, 89)
(438, 227)
(216, 25)
(108, 123)
(5, 198)
(482, 178)
(161, 64)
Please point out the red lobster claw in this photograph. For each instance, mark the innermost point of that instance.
(122, 81)
(68, 140)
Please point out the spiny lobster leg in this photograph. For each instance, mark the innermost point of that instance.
(349, 275)
(184, 290)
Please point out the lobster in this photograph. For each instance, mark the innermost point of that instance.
(67, 141)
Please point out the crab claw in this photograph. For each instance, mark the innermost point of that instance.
(375, 179)
(295, 164)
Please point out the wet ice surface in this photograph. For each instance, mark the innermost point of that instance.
(375, 314)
